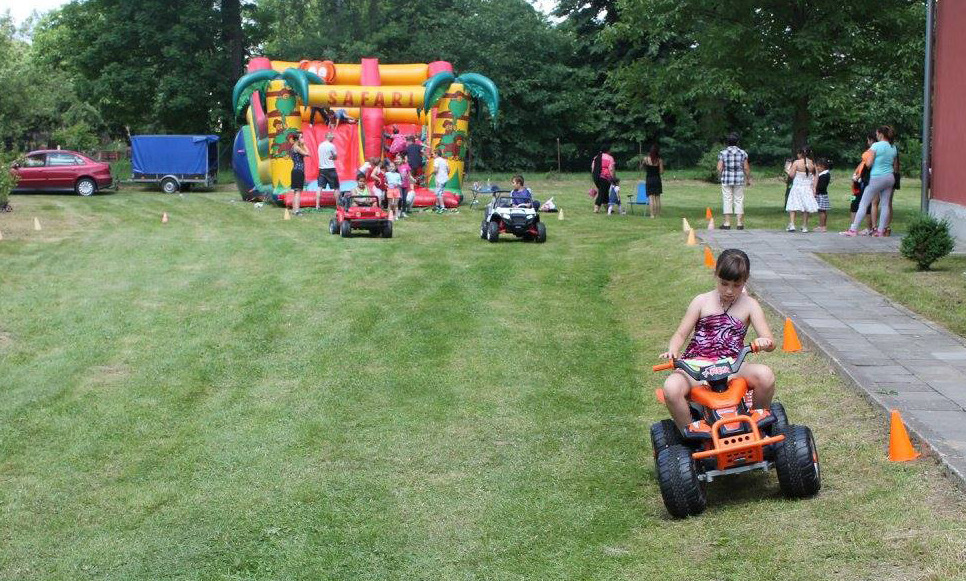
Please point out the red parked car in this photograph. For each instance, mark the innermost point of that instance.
(59, 170)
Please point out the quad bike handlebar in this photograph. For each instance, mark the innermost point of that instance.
(735, 366)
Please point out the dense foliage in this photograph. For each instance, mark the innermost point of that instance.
(628, 72)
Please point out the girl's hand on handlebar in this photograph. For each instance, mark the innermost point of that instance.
(764, 344)
(668, 355)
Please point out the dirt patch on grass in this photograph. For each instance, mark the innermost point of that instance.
(6, 339)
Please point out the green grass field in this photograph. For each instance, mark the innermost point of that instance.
(234, 396)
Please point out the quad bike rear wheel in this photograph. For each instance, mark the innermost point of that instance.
(483, 230)
(781, 418)
(796, 461)
(663, 434)
(677, 475)
(387, 230)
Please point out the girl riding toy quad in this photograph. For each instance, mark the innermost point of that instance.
(727, 437)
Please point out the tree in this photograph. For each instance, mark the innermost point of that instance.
(730, 63)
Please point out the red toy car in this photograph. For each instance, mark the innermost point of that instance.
(360, 213)
(62, 171)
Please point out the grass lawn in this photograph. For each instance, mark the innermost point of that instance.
(234, 396)
(938, 294)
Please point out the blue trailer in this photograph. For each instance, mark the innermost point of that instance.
(172, 161)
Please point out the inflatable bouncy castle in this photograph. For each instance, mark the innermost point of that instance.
(277, 98)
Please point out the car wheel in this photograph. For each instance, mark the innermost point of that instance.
(333, 226)
(85, 187)
(387, 230)
(170, 186)
(493, 231)
(345, 229)
(483, 230)
(677, 475)
(541, 232)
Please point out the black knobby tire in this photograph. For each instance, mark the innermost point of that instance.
(387, 230)
(345, 229)
(170, 186)
(541, 233)
(85, 187)
(781, 418)
(663, 434)
(333, 226)
(483, 230)
(375, 231)
(677, 475)
(796, 461)
(493, 231)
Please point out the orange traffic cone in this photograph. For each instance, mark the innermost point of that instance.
(288, 215)
(900, 448)
(692, 241)
(711, 224)
(685, 226)
(708, 257)
(790, 340)
(164, 217)
(707, 214)
(37, 224)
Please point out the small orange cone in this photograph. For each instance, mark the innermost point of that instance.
(790, 341)
(37, 224)
(900, 448)
(685, 226)
(708, 257)
(692, 241)
(288, 215)
(711, 224)
(164, 217)
(708, 215)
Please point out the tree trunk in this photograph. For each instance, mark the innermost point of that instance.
(801, 119)
(231, 26)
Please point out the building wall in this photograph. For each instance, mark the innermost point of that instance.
(949, 111)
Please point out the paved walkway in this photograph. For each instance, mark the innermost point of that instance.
(897, 358)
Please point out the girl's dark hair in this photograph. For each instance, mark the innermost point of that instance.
(871, 137)
(605, 148)
(887, 132)
(293, 136)
(806, 153)
(615, 180)
(655, 152)
(518, 178)
(733, 265)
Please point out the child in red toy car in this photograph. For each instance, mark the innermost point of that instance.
(361, 189)
(720, 319)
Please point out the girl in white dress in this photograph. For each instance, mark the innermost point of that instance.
(801, 198)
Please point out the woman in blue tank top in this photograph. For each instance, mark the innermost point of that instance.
(881, 182)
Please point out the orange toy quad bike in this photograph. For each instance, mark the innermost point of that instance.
(727, 437)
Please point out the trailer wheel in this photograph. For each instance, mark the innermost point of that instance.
(170, 186)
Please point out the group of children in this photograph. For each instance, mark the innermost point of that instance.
(389, 181)
(807, 189)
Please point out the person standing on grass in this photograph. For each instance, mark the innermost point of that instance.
(297, 152)
(602, 172)
(801, 198)
(441, 169)
(734, 173)
(884, 164)
(328, 177)
(821, 193)
(653, 165)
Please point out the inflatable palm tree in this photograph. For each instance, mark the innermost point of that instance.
(451, 97)
(282, 91)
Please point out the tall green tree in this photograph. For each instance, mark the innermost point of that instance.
(733, 63)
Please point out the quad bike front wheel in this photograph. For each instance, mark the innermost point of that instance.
(796, 461)
(345, 229)
(483, 230)
(493, 231)
(681, 489)
(541, 233)
(663, 434)
(387, 230)
(333, 226)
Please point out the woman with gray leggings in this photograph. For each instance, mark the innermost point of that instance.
(882, 180)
